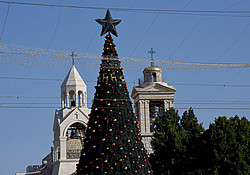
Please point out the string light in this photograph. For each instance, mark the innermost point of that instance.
(22, 55)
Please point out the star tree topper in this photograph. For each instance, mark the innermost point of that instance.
(108, 24)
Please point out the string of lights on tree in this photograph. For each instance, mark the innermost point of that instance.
(112, 143)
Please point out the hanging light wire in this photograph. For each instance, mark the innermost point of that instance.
(23, 55)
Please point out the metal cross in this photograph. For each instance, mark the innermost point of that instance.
(73, 55)
(152, 52)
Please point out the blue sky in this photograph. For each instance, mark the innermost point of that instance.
(27, 133)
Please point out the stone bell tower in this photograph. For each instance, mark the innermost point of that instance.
(69, 124)
(151, 98)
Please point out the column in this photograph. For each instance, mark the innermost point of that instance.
(142, 115)
(63, 147)
(147, 116)
(76, 100)
(84, 98)
(62, 102)
(166, 105)
(171, 104)
(80, 100)
(67, 100)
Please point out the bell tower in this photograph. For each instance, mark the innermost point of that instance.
(69, 124)
(151, 98)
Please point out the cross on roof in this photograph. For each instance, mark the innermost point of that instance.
(152, 52)
(73, 55)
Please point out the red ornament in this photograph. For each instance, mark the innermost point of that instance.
(129, 153)
(117, 105)
(111, 168)
(90, 163)
(126, 101)
(114, 155)
(105, 118)
(135, 147)
(102, 154)
(109, 84)
(128, 120)
(138, 139)
(102, 109)
(139, 167)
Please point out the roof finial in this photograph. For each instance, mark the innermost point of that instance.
(152, 52)
(73, 55)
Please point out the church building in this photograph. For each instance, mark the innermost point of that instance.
(70, 123)
(151, 98)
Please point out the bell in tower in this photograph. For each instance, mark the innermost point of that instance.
(70, 123)
(73, 90)
(151, 97)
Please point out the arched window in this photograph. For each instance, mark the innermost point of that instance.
(80, 98)
(75, 136)
(72, 98)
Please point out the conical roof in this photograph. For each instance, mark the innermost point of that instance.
(73, 78)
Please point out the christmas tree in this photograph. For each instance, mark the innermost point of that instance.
(112, 143)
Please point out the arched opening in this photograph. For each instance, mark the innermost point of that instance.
(153, 77)
(75, 135)
(80, 98)
(72, 97)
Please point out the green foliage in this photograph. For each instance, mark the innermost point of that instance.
(183, 146)
(173, 143)
(226, 146)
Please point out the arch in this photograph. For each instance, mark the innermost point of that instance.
(72, 98)
(76, 131)
(80, 98)
(71, 123)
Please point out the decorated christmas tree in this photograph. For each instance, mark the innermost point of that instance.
(112, 143)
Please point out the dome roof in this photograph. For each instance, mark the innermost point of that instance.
(152, 68)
